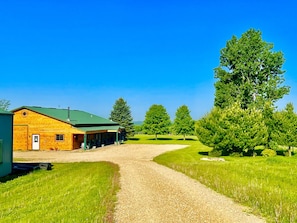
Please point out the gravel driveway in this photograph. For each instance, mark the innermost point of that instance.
(151, 192)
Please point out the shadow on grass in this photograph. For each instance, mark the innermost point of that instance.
(187, 139)
(134, 139)
(13, 176)
(22, 169)
(161, 139)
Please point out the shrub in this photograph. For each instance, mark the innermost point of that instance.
(215, 153)
(268, 153)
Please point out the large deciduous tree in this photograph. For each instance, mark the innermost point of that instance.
(249, 72)
(157, 121)
(183, 123)
(121, 114)
(233, 129)
(4, 104)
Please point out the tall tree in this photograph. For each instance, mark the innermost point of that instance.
(233, 129)
(249, 72)
(157, 121)
(286, 128)
(121, 114)
(4, 104)
(183, 122)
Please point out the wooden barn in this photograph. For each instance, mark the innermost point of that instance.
(38, 128)
(6, 121)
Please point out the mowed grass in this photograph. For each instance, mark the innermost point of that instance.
(72, 192)
(267, 185)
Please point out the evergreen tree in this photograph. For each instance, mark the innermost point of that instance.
(183, 122)
(249, 72)
(233, 129)
(157, 121)
(286, 128)
(121, 114)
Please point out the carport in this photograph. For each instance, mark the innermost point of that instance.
(98, 136)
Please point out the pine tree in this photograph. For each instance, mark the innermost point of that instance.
(286, 128)
(233, 129)
(121, 114)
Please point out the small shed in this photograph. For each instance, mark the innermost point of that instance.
(6, 140)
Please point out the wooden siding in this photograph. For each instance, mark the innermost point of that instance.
(28, 123)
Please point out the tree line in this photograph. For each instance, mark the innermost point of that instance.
(157, 120)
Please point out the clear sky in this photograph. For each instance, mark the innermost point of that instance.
(87, 54)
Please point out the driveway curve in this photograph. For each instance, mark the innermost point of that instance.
(151, 192)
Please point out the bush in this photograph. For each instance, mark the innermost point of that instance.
(215, 153)
(236, 154)
(268, 153)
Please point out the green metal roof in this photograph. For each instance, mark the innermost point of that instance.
(5, 112)
(76, 117)
(112, 128)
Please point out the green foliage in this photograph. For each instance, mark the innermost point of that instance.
(138, 129)
(157, 121)
(164, 139)
(232, 130)
(76, 192)
(215, 153)
(183, 122)
(4, 104)
(286, 127)
(268, 115)
(268, 153)
(261, 183)
(249, 72)
(121, 114)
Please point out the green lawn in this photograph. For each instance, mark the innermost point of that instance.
(86, 192)
(267, 185)
(72, 192)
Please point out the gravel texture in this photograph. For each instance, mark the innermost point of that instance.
(151, 193)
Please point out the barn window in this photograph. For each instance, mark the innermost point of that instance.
(59, 137)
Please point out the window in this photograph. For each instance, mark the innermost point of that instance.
(59, 137)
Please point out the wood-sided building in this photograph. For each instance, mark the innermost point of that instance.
(6, 121)
(39, 128)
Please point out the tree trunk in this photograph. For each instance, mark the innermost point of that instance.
(184, 137)
(290, 151)
(156, 136)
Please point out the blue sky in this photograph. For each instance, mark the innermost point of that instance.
(87, 54)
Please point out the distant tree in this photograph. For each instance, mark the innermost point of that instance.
(183, 122)
(121, 114)
(138, 129)
(233, 129)
(285, 130)
(249, 72)
(157, 121)
(4, 104)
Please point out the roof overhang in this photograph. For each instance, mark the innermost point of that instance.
(99, 129)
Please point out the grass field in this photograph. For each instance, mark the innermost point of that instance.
(267, 185)
(72, 192)
(86, 192)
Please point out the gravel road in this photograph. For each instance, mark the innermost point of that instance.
(151, 193)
